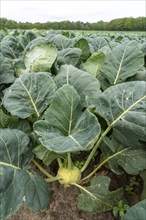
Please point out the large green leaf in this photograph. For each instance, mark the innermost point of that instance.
(97, 43)
(46, 155)
(6, 70)
(17, 184)
(122, 62)
(30, 35)
(34, 43)
(123, 107)
(36, 192)
(103, 82)
(10, 42)
(69, 56)
(13, 147)
(84, 46)
(136, 212)
(85, 84)
(3, 33)
(7, 120)
(66, 128)
(22, 41)
(7, 51)
(139, 76)
(23, 125)
(131, 159)
(94, 63)
(98, 198)
(11, 190)
(29, 94)
(61, 42)
(40, 58)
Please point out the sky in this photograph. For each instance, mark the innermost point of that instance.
(85, 11)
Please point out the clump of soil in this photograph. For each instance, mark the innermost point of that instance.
(64, 202)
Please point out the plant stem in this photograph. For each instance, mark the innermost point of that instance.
(94, 149)
(69, 160)
(42, 169)
(60, 162)
(102, 163)
(82, 188)
(49, 180)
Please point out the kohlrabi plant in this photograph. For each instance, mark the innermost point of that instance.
(68, 101)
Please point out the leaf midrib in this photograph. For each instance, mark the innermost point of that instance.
(9, 165)
(7, 150)
(128, 109)
(97, 197)
(119, 69)
(33, 103)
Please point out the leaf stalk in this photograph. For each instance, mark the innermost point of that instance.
(95, 149)
(102, 163)
(60, 162)
(82, 188)
(69, 160)
(49, 180)
(42, 169)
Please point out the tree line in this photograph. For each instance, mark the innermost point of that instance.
(120, 24)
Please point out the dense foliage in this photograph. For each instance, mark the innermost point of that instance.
(63, 94)
(120, 24)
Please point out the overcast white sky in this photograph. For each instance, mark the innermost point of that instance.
(86, 11)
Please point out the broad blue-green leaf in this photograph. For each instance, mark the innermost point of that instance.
(46, 155)
(6, 70)
(128, 136)
(36, 192)
(7, 51)
(30, 35)
(3, 32)
(94, 63)
(136, 212)
(12, 43)
(97, 43)
(122, 62)
(34, 43)
(84, 46)
(131, 159)
(139, 76)
(123, 107)
(19, 66)
(22, 41)
(103, 82)
(13, 147)
(7, 120)
(13, 155)
(61, 42)
(23, 125)
(85, 84)
(11, 190)
(119, 38)
(17, 184)
(69, 56)
(29, 94)
(98, 198)
(40, 58)
(66, 128)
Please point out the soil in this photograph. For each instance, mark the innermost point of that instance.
(64, 201)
